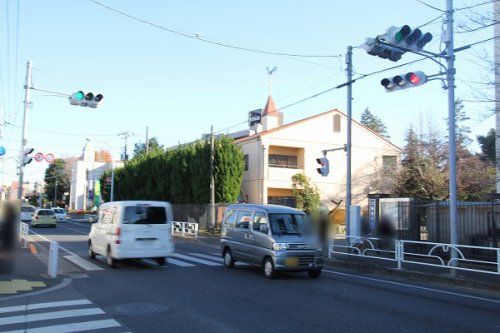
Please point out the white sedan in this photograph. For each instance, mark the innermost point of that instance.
(60, 213)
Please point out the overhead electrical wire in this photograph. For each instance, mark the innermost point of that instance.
(198, 37)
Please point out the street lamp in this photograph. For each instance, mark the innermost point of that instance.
(112, 166)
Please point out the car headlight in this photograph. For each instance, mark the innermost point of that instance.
(280, 246)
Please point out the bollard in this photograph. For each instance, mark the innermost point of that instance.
(53, 257)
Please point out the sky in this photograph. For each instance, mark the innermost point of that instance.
(181, 86)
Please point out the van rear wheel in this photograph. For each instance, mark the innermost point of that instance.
(91, 251)
(110, 260)
(228, 258)
(161, 261)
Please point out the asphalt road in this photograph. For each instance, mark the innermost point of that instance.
(194, 292)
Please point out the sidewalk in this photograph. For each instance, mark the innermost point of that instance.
(28, 273)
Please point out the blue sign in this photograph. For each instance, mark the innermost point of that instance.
(2, 150)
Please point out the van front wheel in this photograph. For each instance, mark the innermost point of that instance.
(228, 258)
(91, 251)
(268, 267)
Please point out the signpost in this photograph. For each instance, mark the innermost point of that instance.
(39, 157)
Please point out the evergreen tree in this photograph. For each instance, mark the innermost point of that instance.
(306, 195)
(374, 123)
(487, 144)
(140, 147)
(56, 171)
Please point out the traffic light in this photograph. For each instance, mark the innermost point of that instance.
(409, 80)
(86, 100)
(403, 37)
(373, 47)
(26, 158)
(324, 166)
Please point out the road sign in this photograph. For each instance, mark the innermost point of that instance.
(49, 158)
(2, 150)
(39, 157)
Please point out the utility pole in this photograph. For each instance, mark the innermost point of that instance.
(55, 193)
(147, 140)
(212, 179)
(125, 135)
(349, 139)
(24, 138)
(450, 80)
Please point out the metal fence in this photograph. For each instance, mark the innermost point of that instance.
(466, 257)
(478, 223)
(198, 213)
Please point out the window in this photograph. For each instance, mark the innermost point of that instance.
(282, 201)
(45, 213)
(283, 161)
(259, 219)
(230, 219)
(245, 161)
(389, 162)
(336, 123)
(243, 220)
(107, 215)
(145, 215)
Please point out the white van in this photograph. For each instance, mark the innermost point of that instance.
(132, 229)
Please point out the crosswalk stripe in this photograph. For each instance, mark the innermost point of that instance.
(49, 315)
(44, 305)
(200, 261)
(179, 263)
(86, 265)
(219, 259)
(74, 327)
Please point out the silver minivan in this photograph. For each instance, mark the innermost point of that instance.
(277, 238)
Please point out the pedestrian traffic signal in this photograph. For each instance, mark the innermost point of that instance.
(409, 80)
(399, 38)
(86, 100)
(324, 166)
(26, 158)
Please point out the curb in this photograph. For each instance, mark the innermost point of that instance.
(64, 283)
(447, 279)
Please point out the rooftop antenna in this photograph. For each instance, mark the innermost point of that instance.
(270, 73)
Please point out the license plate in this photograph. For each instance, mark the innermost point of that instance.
(293, 261)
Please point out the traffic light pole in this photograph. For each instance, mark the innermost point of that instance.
(24, 138)
(212, 180)
(450, 78)
(349, 139)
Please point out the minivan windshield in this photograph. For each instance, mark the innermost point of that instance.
(145, 215)
(27, 209)
(45, 212)
(288, 224)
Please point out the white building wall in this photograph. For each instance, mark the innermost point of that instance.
(313, 136)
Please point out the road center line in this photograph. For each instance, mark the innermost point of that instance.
(413, 286)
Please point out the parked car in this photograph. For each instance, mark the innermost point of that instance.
(60, 213)
(26, 213)
(44, 217)
(132, 229)
(277, 238)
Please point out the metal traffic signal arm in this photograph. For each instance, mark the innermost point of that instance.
(324, 163)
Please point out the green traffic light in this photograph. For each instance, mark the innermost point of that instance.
(79, 95)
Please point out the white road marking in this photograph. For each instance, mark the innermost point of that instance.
(85, 264)
(49, 315)
(44, 305)
(79, 231)
(74, 327)
(200, 261)
(179, 263)
(219, 259)
(414, 287)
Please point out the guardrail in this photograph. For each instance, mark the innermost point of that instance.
(190, 228)
(479, 259)
(24, 231)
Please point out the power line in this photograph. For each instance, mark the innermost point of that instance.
(476, 5)
(430, 6)
(198, 37)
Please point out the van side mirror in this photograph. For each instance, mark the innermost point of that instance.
(263, 228)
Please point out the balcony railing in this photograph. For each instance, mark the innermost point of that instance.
(284, 166)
